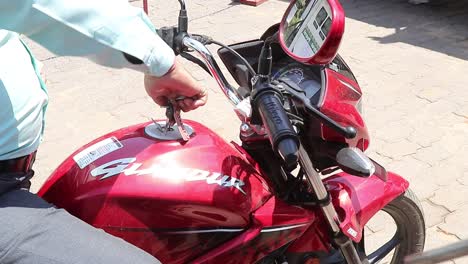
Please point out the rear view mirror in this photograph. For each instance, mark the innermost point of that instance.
(311, 30)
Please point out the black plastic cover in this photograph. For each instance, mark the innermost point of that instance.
(355, 162)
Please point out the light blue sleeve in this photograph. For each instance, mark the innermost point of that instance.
(98, 29)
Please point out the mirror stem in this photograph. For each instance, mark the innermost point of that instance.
(265, 62)
(182, 4)
(183, 21)
(183, 18)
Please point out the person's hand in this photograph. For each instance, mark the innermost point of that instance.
(175, 84)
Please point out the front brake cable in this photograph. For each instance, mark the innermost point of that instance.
(195, 60)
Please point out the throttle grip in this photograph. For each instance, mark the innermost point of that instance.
(282, 136)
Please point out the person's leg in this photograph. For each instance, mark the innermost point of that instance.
(34, 231)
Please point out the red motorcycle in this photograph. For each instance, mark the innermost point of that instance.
(298, 190)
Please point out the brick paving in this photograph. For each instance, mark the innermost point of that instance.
(410, 61)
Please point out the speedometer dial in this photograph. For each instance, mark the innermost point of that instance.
(295, 74)
(305, 77)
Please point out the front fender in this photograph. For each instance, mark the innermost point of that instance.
(358, 199)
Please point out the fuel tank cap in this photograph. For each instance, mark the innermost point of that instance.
(157, 130)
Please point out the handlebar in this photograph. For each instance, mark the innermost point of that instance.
(282, 136)
(279, 129)
(213, 67)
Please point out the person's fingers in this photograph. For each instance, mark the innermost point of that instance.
(201, 100)
(188, 102)
(176, 83)
(182, 105)
(191, 106)
(161, 100)
(198, 103)
(185, 109)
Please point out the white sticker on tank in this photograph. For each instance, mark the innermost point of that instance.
(96, 151)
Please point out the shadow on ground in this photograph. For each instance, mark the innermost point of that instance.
(441, 25)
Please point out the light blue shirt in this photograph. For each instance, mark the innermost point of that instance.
(98, 29)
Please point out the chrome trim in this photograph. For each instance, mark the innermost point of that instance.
(205, 231)
(244, 110)
(319, 188)
(323, 88)
(347, 247)
(218, 75)
(281, 228)
(349, 86)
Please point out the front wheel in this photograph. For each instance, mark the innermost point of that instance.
(391, 245)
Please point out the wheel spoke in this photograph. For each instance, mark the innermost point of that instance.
(385, 249)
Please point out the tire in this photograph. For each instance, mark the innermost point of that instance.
(408, 215)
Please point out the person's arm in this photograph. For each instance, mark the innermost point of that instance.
(102, 30)
(105, 30)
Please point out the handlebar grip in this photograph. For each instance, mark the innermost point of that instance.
(282, 136)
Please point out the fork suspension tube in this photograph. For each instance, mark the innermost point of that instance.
(346, 245)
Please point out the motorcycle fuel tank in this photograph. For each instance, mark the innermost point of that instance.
(160, 194)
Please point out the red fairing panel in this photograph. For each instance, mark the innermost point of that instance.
(339, 103)
(274, 225)
(359, 199)
(175, 200)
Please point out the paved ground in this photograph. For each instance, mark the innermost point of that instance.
(410, 61)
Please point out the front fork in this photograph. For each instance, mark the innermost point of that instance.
(346, 245)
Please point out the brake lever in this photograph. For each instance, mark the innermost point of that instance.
(197, 61)
(298, 97)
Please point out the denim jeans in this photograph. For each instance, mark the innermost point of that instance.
(33, 231)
